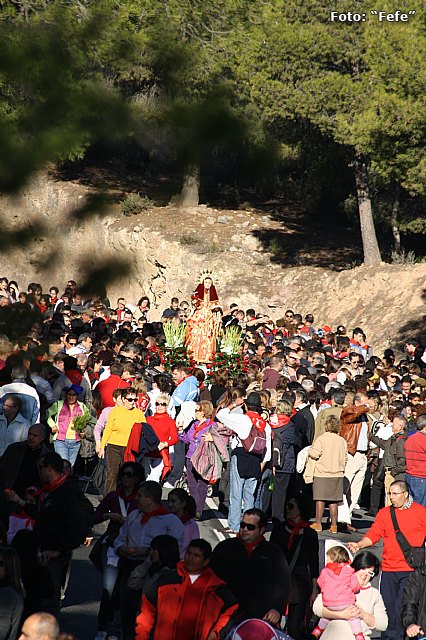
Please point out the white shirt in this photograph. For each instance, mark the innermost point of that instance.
(241, 424)
(362, 444)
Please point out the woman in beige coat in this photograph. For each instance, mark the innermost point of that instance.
(330, 453)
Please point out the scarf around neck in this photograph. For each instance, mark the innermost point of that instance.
(280, 419)
(250, 547)
(160, 511)
(336, 567)
(295, 528)
(50, 487)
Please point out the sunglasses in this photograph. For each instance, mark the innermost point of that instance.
(131, 399)
(291, 505)
(247, 525)
(128, 474)
(161, 404)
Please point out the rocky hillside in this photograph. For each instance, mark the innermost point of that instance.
(167, 249)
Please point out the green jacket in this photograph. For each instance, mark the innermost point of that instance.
(53, 416)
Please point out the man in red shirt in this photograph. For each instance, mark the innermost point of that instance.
(415, 455)
(411, 518)
(110, 384)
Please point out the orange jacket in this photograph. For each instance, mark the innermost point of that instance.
(161, 607)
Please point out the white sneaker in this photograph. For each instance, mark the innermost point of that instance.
(101, 635)
(167, 485)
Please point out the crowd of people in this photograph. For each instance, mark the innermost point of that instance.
(314, 420)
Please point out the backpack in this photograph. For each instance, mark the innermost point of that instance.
(256, 439)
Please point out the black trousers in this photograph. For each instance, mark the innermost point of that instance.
(301, 589)
(178, 463)
(377, 488)
(392, 584)
(279, 496)
(130, 600)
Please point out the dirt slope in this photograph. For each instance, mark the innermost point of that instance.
(168, 248)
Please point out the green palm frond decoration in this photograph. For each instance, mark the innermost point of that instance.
(174, 334)
(231, 340)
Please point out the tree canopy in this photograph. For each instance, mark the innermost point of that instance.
(201, 78)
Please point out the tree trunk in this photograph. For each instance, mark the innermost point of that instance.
(190, 194)
(394, 220)
(370, 245)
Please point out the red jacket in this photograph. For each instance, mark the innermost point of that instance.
(162, 606)
(165, 429)
(107, 386)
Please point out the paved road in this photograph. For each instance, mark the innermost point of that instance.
(81, 603)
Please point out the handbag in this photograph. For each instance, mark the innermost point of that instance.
(95, 555)
(108, 537)
(98, 477)
(293, 596)
(414, 556)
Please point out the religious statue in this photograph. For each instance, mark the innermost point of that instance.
(204, 326)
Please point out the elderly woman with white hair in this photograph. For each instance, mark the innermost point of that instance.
(157, 463)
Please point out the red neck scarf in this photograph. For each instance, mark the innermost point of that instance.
(51, 487)
(295, 530)
(200, 426)
(160, 511)
(257, 420)
(251, 547)
(74, 375)
(279, 420)
(130, 497)
(185, 518)
(336, 567)
(188, 375)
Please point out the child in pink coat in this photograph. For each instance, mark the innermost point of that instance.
(339, 585)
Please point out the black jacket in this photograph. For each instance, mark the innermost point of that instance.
(394, 453)
(308, 555)
(414, 600)
(260, 582)
(11, 463)
(305, 424)
(59, 523)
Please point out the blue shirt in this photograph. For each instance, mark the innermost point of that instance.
(187, 390)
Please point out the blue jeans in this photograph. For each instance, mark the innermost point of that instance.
(262, 487)
(417, 488)
(240, 489)
(109, 578)
(68, 450)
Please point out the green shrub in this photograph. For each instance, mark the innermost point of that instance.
(403, 257)
(133, 204)
(188, 238)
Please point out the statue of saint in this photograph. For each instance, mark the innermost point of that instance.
(204, 326)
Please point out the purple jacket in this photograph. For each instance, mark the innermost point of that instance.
(193, 437)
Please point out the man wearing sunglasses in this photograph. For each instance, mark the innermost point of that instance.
(255, 570)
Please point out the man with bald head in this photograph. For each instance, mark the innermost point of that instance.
(40, 626)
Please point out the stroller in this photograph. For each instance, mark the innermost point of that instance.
(255, 629)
